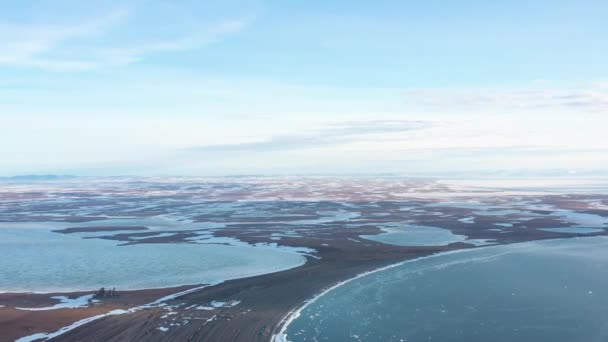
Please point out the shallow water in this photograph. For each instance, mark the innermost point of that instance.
(536, 291)
(573, 230)
(39, 260)
(590, 220)
(414, 235)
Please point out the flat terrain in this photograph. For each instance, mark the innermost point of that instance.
(15, 323)
(323, 219)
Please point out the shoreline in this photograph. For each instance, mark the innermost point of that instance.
(65, 329)
(281, 335)
(283, 325)
(20, 317)
(255, 318)
(85, 291)
(274, 325)
(277, 330)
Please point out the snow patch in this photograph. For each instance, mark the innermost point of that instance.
(65, 303)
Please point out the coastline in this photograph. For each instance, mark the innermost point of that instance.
(84, 321)
(531, 248)
(292, 290)
(255, 318)
(161, 288)
(45, 297)
(18, 323)
(275, 325)
(282, 326)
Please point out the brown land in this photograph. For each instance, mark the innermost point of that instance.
(15, 323)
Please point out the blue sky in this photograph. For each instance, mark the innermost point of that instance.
(197, 87)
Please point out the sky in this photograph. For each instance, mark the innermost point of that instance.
(200, 87)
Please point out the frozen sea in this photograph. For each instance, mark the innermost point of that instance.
(554, 290)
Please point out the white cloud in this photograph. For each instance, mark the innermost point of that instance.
(80, 46)
(332, 135)
(127, 55)
(589, 97)
(25, 45)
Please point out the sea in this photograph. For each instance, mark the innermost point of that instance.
(553, 290)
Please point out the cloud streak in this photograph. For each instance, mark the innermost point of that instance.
(31, 46)
(127, 55)
(85, 45)
(592, 98)
(337, 134)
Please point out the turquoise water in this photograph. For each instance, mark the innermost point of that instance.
(574, 230)
(537, 291)
(39, 260)
(413, 235)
